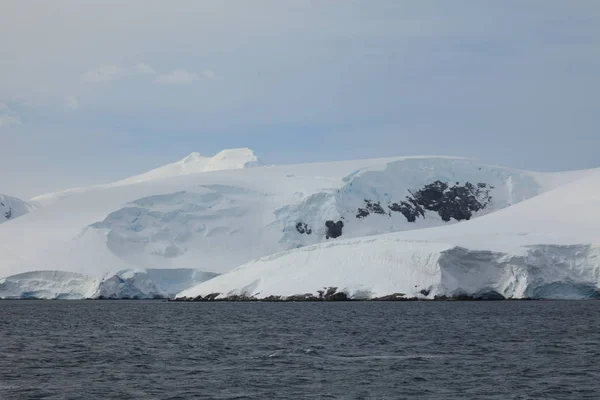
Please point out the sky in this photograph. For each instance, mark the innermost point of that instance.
(98, 90)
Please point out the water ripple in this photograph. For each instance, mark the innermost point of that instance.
(430, 350)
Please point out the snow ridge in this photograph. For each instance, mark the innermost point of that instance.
(194, 163)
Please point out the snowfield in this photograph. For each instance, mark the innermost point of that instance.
(544, 247)
(421, 226)
(12, 207)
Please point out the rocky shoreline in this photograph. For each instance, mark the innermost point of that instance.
(331, 294)
(325, 295)
(280, 299)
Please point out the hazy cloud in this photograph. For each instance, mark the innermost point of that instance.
(208, 74)
(71, 103)
(105, 73)
(143, 68)
(178, 76)
(7, 116)
(7, 120)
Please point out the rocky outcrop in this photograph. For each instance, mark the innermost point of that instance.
(457, 202)
(303, 228)
(333, 229)
(371, 207)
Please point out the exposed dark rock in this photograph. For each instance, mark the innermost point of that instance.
(302, 297)
(458, 201)
(180, 299)
(370, 207)
(334, 229)
(8, 213)
(425, 292)
(211, 296)
(462, 297)
(410, 209)
(302, 228)
(339, 296)
(375, 208)
(272, 298)
(491, 295)
(391, 297)
(238, 297)
(362, 213)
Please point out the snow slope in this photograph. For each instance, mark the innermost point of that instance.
(142, 284)
(194, 163)
(12, 207)
(544, 247)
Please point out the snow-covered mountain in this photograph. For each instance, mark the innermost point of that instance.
(545, 247)
(192, 164)
(12, 207)
(187, 218)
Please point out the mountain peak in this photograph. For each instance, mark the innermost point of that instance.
(237, 158)
(195, 163)
(191, 158)
(225, 159)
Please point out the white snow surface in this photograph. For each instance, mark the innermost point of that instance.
(192, 164)
(12, 207)
(216, 221)
(544, 247)
(195, 163)
(140, 283)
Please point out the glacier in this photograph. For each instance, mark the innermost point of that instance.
(413, 225)
(127, 284)
(48, 285)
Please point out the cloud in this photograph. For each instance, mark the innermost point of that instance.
(143, 68)
(208, 74)
(71, 103)
(7, 120)
(105, 73)
(8, 117)
(178, 76)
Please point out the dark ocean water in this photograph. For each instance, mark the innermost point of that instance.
(377, 350)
